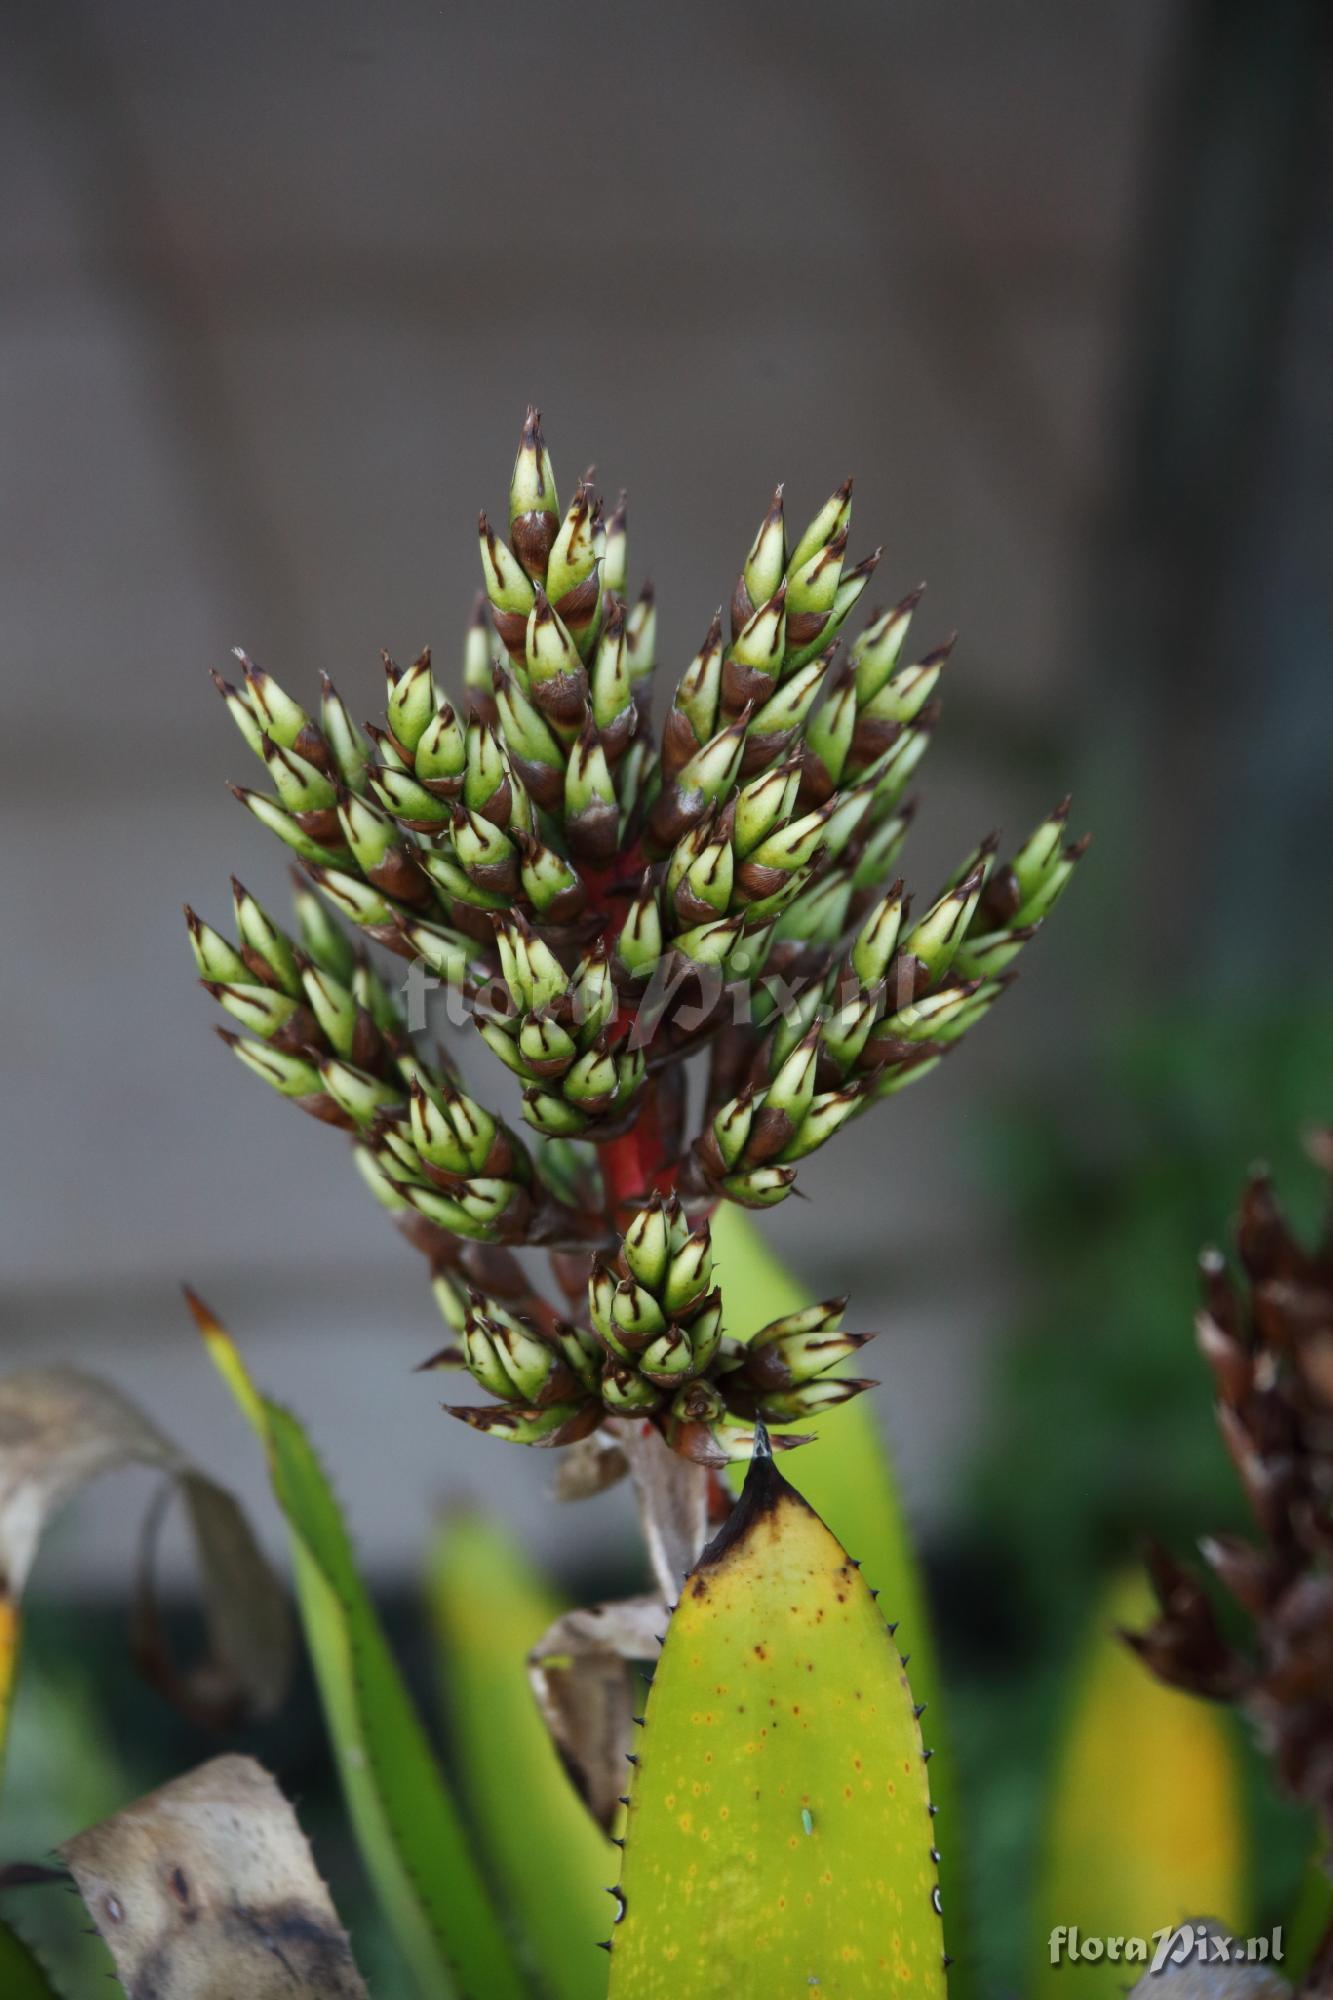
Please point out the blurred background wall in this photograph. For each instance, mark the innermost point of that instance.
(1055, 282)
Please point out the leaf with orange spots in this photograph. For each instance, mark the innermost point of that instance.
(779, 1835)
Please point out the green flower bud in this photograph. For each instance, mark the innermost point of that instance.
(611, 690)
(335, 1008)
(695, 708)
(412, 701)
(615, 557)
(507, 586)
(753, 665)
(549, 883)
(668, 1360)
(487, 857)
(259, 1008)
(1043, 900)
(241, 711)
(557, 678)
(828, 1113)
(882, 848)
(280, 718)
(759, 1187)
(447, 954)
(408, 802)
(574, 556)
(813, 584)
(351, 752)
(792, 1406)
(641, 636)
(833, 518)
(625, 1391)
(639, 942)
(988, 955)
(556, 1424)
(353, 897)
(765, 566)
(267, 951)
(358, 1094)
(1040, 852)
(554, 1117)
(764, 805)
(592, 812)
(216, 960)
(534, 749)
(876, 653)
(301, 787)
(647, 1246)
(290, 1075)
(454, 883)
(937, 936)
(441, 752)
(902, 698)
(534, 511)
(480, 660)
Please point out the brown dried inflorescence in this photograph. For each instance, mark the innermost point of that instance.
(1268, 1340)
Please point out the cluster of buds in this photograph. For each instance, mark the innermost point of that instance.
(1268, 1343)
(603, 896)
(651, 1347)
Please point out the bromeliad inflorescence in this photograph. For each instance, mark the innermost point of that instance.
(609, 895)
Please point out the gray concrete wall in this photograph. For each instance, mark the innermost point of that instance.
(275, 285)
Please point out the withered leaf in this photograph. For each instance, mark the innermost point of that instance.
(60, 1428)
(206, 1890)
(579, 1670)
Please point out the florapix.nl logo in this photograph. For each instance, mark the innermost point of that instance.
(1197, 1943)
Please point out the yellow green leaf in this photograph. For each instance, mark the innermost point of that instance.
(779, 1834)
(848, 1478)
(1145, 1822)
(541, 1844)
(408, 1828)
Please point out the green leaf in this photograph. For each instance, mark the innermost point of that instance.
(1145, 1825)
(538, 1839)
(412, 1839)
(1311, 1915)
(847, 1477)
(779, 1833)
(21, 1975)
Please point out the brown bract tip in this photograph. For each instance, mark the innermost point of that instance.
(764, 1492)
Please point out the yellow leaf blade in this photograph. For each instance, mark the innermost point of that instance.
(1145, 1823)
(779, 1835)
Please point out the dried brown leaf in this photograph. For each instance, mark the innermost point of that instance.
(60, 1428)
(206, 1890)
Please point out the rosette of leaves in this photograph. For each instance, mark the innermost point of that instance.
(606, 893)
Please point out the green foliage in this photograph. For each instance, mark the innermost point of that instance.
(544, 1852)
(412, 1839)
(21, 1973)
